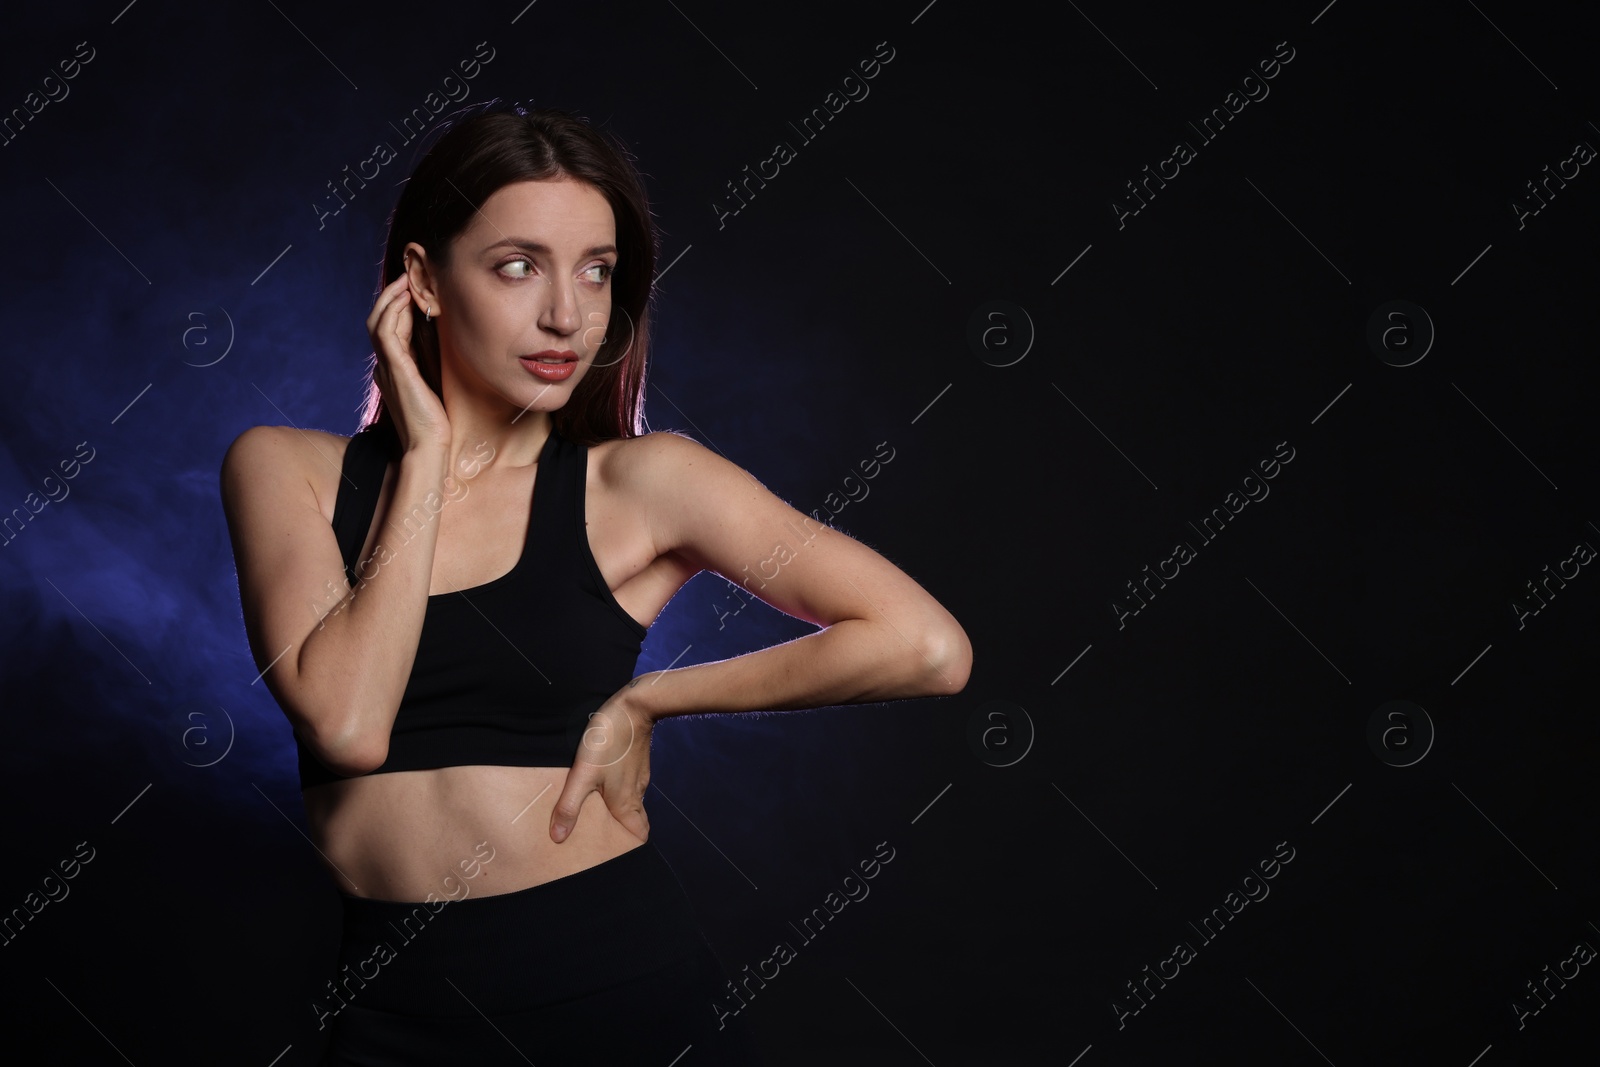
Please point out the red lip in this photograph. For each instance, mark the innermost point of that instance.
(561, 371)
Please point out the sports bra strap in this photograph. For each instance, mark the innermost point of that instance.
(365, 461)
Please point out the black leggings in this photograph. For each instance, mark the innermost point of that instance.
(605, 966)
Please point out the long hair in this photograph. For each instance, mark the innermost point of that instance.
(498, 144)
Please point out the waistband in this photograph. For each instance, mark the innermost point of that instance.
(574, 936)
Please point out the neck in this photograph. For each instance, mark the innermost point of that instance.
(514, 438)
(483, 423)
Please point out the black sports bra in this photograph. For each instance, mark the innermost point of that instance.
(507, 673)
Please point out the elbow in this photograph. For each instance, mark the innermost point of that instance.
(338, 740)
(351, 760)
(946, 661)
(353, 763)
(347, 753)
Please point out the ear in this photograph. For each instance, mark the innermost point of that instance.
(423, 274)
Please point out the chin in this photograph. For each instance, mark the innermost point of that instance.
(545, 396)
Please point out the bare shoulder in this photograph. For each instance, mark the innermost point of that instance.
(264, 457)
(661, 467)
(640, 461)
(670, 485)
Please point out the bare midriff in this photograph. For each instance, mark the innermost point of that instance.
(455, 832)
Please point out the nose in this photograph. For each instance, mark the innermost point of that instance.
(560, 313)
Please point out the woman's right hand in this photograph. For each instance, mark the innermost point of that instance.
(418, 415)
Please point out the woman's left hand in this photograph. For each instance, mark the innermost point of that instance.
(613, 760)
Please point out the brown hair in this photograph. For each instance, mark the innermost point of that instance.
(495, 145)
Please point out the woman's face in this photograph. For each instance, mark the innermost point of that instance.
(529, 276)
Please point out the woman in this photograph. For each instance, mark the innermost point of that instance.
(469, 730)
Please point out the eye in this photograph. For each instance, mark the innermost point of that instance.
(516, 268)
(606, 271)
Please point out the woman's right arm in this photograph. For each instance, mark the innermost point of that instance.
(338, 664)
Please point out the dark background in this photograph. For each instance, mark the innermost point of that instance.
(1049, 846)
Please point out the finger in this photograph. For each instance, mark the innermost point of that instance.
(565, 815)
(402, 337)
(400, 313)
(394, 318)
(635, 821)
(385, 296)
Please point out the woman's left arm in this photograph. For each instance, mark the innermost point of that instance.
(883, 636)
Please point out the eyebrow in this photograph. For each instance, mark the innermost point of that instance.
(535, 246)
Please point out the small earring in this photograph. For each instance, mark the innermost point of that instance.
(428, 316)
